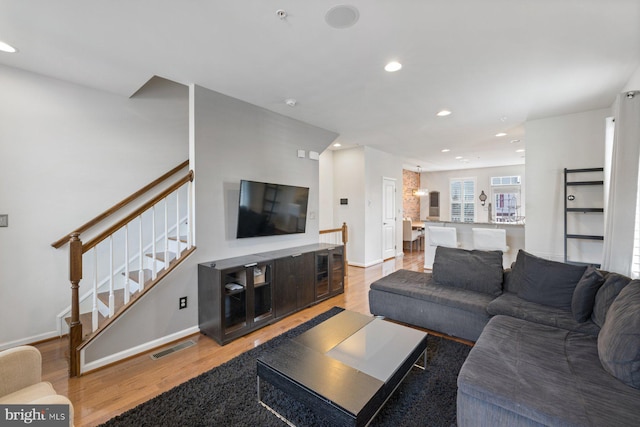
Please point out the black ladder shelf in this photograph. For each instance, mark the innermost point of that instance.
(567, 197)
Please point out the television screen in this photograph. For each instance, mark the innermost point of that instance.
(271, 209)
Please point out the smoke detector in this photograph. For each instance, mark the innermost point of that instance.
(290, 102)
(281, 13)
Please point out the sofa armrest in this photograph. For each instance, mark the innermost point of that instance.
(20, 367)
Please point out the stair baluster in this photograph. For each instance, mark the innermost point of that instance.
(154, 271)
(94, 311)
(112, 302)
(127, 284)
(140, 258)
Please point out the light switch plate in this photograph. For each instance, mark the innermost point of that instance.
(4, 220)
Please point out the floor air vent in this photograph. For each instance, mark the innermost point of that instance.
(168, 351)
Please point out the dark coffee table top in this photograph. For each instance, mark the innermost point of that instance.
(352, 362)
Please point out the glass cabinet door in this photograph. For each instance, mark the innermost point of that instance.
(322, 274)
(235, 300)
(262, 288)
(337, 271)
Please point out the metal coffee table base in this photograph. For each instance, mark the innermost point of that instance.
(289, 423)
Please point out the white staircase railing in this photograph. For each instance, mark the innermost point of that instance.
(127, 258)
(132, 256)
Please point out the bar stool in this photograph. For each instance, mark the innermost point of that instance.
(439, 236)
(490, 239)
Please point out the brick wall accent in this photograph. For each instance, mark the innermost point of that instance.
(410, 203)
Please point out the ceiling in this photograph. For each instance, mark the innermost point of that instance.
(494, 63)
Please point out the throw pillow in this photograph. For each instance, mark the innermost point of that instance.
(619, 338)
(613, 284)
(585, 294)
(474, 270)
(546, 282)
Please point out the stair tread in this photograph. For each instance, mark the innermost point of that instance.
(118, 298)
(135, 275)
(160, 255)
(182, 238)
(86, 320)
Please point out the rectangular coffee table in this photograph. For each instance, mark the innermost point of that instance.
(345, 368)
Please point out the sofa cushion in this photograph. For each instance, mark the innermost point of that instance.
(421, 286)
(544, 374)
(546, 282)
(479, 271)
(510, 304)
(613, 284)
(585, 294)
(619, 339)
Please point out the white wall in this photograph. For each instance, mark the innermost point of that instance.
(358, 174)
(380, 165)
(232, 140)
(634, 82)
(326, 197)
(572, 141)
(69, 153)
(439, 181)
(349, 183)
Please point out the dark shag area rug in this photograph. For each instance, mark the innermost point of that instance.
(226, 395)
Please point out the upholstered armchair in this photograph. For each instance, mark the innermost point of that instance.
(21, 380)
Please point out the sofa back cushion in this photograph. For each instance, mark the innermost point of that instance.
(613, 284)
(619, 338)
(546, 282)
(474, 270)
(584, 296)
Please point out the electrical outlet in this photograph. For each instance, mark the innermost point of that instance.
(4, 220)
(183, 303)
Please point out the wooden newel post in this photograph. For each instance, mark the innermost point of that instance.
(345, 239)
(75, 327)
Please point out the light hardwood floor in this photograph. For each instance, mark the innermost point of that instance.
(105, 393)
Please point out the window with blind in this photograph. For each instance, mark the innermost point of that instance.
(462, 203)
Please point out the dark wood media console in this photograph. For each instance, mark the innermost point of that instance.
(239, 295)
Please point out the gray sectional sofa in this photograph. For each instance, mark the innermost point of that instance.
(556, 344)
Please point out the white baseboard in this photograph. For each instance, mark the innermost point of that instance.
(368, 264)
(86, 367)
(29, 340)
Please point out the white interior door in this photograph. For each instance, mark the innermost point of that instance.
(388, 218)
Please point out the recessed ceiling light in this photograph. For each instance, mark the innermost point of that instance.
(337, 144)
(501, 134)
(290, 102)
(5, 47)
(393, 66)
(443, 113)
(458, 157)
(445, 150)
(521, 150)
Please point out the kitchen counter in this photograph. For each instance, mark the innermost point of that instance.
(515, 235)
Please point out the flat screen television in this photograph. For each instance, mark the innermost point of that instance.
(271, 209)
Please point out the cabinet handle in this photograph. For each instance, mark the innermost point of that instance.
(253, 264)
(295, 255)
